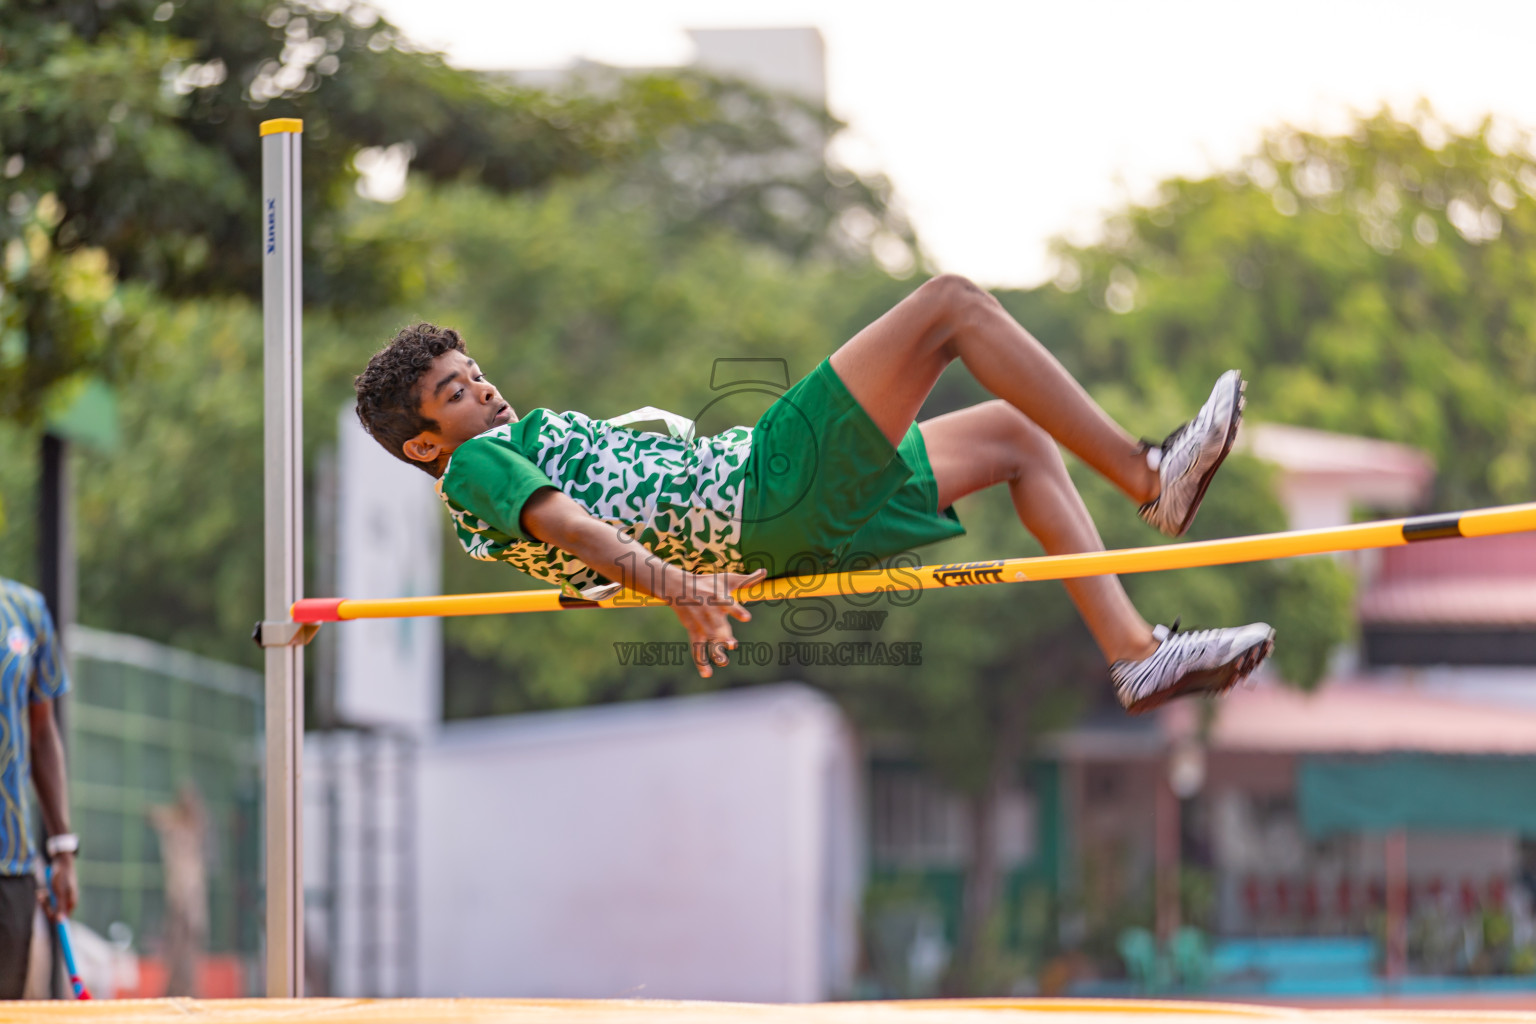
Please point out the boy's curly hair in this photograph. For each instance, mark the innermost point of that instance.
(387, 401)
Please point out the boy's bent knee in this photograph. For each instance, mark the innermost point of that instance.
(1033, 449)
(933, 316)
(957, 300)
(953, 289)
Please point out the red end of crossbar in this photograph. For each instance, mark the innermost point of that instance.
(317, 609)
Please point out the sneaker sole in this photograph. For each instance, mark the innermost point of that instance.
(1226, 448)
(1213, 681)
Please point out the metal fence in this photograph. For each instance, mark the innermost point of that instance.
(145, 721)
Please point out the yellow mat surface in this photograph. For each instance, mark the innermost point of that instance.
(571, 1011)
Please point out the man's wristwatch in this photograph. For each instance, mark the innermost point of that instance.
(64, 842)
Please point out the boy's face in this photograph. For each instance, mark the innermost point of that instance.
(455, 394)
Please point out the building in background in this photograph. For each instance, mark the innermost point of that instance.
(705, 847)
(1375, 835)
(787, 60)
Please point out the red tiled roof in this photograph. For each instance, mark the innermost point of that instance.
(1472, 581)
(1302, 450)
(1357, 716)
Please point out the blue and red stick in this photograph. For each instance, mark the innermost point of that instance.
(81, 992)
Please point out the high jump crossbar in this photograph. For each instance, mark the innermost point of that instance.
(1387, 533)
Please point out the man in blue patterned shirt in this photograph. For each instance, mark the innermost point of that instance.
(31, 676)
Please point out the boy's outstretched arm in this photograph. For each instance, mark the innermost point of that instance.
(705, 602)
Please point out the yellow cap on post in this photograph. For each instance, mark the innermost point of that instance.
(282, 124)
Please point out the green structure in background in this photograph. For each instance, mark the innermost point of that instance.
(85, 410)
(913, 905)
(1407, 790)
(146, 720)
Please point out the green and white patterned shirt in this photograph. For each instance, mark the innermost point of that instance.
(679, 497)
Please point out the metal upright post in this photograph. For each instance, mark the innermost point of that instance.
(282, 305)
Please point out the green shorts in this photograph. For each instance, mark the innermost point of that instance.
(825, 489)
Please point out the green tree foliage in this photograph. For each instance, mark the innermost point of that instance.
(131, 148)
(567, 298)
(130, 163)
(1377, 282)
(130, 130)
(756, 168)
(57, 309)
(168, 526)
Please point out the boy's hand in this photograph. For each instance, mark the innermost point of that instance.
(706, 614)
(705, 602)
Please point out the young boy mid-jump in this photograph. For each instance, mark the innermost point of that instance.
(835, 468)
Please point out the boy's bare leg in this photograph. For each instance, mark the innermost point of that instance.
(994, 443)
(891, 365)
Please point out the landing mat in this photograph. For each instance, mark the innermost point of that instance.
(572, 1011)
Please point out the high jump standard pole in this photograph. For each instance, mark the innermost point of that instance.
(282, 320)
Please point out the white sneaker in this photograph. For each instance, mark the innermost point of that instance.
(1191, 455)
(1206, 661)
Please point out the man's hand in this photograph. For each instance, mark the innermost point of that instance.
(706, 614)
(66, 891)
(50, 778)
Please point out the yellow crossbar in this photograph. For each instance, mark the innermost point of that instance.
(1228, 551)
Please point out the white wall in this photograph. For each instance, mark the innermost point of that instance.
(361, 841)
(701, 847)
(389, 672)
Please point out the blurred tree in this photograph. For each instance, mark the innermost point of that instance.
(129, 153)
(57, 309)
(758, 169)
(132, 127)
(130, 148)
(1377, 282)
(557, 288)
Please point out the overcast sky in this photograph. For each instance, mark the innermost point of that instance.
(1003, 124)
